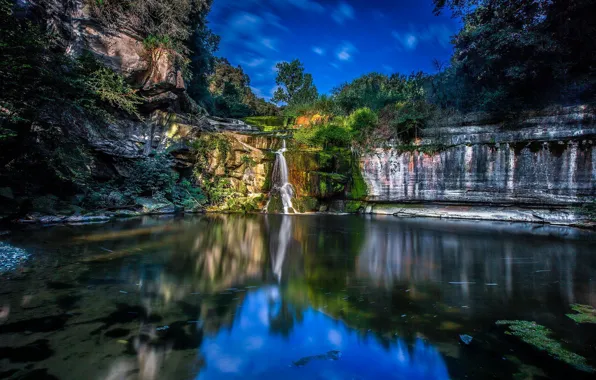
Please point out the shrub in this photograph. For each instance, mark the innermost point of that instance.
(406, 118)
(111, 88)
(362, 122)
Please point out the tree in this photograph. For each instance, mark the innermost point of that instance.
(203, 45)
(295, 87)
(519, 53)
(232, 95)
(376, 90)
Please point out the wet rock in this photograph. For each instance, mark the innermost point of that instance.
(466, 339)
(152, 206)
(11, 257)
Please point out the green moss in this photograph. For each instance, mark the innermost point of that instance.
(266, 123)
(275, 204)
(585, 314)
(358, 187)
(353, 206)
(306, 204)
(538, 336)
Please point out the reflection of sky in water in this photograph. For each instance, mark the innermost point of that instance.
(249, 350)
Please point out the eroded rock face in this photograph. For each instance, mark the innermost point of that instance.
(122, 50)
(544, 163)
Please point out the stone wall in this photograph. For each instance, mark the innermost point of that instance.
(541, 160)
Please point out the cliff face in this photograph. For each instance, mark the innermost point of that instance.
(544, 161)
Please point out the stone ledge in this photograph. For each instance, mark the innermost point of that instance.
(561, 216)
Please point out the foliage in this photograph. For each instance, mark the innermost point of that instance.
(267, 123)
(151, 177)
(407, 119)
(539, 337)
(375, 91)
(362, 122)
(519, 54)
(231, 94)
(111, 88)
(168, 18)
(213, 148)
(36, 76)
(295, 87)
(203, 45)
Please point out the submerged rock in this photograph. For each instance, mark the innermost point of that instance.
(539, 337)
(11, 257)
(466, 339)
(585, 313)
(330, 355)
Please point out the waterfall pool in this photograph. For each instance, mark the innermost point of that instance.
(299, 297)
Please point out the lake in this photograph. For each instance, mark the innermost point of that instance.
(299, 297)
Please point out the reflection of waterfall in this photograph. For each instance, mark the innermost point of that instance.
(280, 180)
(280, 249)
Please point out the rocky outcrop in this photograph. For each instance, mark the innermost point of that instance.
(543, 161)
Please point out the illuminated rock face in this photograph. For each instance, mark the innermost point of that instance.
(547, 163)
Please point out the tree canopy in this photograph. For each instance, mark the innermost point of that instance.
(295, 86)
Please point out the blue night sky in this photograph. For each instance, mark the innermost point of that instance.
(336, 40)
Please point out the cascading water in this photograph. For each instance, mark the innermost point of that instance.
(280, 181)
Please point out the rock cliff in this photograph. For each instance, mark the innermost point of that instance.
(539, 161)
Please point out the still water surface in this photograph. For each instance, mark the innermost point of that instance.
(293, 297)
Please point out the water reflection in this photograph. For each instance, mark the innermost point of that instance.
(264, 296)
(241, 350)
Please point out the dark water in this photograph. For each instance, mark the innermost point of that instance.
(294, 297)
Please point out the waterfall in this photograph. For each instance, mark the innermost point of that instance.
(280, 181)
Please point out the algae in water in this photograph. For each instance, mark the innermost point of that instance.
(538, 336)
(585, 313)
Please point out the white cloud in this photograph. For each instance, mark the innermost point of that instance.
(274, 20)
(345, 51)
(269, 43)
(334, 65)
(438, 34)
(343, 12)
(255, 62)
(318, 50)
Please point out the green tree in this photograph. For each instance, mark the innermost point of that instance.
(295, 87)
(518, 54)
(376, 90)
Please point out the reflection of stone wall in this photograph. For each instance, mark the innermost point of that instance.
(466, 260)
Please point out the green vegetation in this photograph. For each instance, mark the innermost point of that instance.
(295, 86)
(517, 54)
(538, 336)
(267, 123)
(585, 314)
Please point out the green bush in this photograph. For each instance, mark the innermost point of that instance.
(406, 119)
(111, 88)
(362, 122)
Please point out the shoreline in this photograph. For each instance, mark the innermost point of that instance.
(554, 216)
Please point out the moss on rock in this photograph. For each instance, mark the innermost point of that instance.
(585, 313)
(538, 336)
